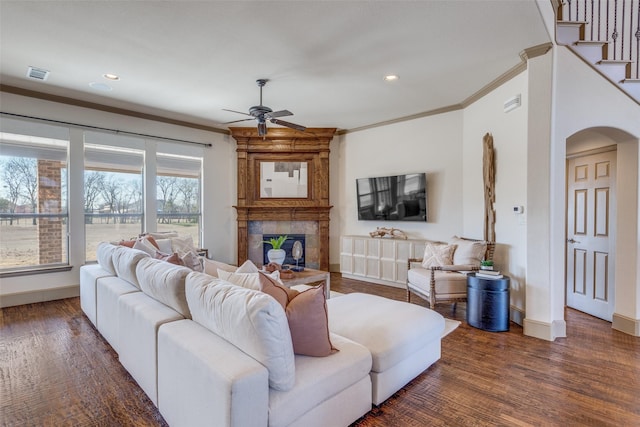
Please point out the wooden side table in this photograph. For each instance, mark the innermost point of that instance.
(309, 276)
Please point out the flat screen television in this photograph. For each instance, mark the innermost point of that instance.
(392, 198)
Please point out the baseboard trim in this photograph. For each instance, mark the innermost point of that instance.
(545, 331)
(43, 295)
(517, 315)
(626, 324)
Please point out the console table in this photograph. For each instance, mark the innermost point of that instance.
(378, 259)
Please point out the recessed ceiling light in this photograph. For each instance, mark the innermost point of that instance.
(110, 76)
(100, 86)
(390, 78)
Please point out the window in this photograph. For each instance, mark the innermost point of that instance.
(178, 194)
(33, 195)
(113, 189)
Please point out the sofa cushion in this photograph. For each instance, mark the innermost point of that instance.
(320, 379)
(211, 267)
(468, 252)
(251, 320)
(382, 325)
(164, 282)
(104, 254)
(125, 261)
(437, 255)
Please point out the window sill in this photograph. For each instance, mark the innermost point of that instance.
(28, 271)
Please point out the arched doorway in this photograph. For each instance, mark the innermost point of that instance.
(597, 277)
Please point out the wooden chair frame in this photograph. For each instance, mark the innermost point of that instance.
(432, 297)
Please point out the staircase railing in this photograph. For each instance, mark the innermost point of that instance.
(616, 22)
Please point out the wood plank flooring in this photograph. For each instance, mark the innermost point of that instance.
(56, 370)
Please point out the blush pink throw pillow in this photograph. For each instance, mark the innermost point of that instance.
(307, 316)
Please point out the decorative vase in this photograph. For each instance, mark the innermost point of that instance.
(276, 255)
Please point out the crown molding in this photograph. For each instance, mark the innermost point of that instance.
(107, 109)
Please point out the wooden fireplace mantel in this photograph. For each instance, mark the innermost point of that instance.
(283, 145)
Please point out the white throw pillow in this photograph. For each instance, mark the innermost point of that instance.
(211, 267)
(468, 252)
(164, 246)
(192, 260)
(182, 245)
(437, 255)
(246, 280)
(143, 244)
(247, 267)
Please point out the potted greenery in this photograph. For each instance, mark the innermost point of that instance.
(486, 265)
(276, 253)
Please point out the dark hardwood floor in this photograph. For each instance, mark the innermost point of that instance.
(56, 370)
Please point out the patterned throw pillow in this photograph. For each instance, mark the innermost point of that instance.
(438, 255)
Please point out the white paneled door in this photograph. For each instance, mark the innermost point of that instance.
(590, 231)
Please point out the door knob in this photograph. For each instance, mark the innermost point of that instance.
(572, 240)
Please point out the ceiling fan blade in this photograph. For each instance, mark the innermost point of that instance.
(280, 113)
(288, 124)
(262, 129)
(236, 121)
(234, 111)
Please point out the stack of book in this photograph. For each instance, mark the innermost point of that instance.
(488, 274)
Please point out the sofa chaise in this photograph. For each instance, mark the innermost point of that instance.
(211, 353)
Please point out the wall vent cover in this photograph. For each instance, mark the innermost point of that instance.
(37, 73)
(512, 103)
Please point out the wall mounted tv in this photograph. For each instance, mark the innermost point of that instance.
(393, 198)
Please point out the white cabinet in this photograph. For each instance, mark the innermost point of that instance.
(378, 260)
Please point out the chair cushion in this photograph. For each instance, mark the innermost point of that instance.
(468, 252)
(251, 320)
(436, 255)
(449, 284)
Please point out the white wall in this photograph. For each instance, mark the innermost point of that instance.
(430, 144)
(509, 132)
(601, 107)
(219, 186)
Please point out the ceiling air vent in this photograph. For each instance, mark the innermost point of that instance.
(37, 73)
(512, 103)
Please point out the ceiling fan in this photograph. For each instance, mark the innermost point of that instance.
(262, 113)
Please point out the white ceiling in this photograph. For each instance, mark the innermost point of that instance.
(325, 60)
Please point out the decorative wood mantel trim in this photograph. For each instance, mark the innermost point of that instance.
(284, 145)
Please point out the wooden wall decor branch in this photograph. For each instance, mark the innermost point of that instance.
(489, 178)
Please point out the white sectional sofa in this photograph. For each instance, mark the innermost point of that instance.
(210, 353)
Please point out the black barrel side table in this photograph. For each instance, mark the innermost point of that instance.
(488, 303)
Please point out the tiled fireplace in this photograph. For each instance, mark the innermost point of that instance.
(263, 210)
(305, 232)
